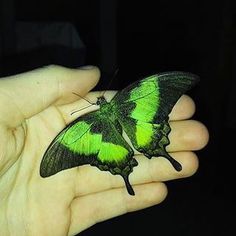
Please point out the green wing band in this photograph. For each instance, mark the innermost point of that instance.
(144, 133)
(113, 153)
(78, 139)
(152, 99)
(146, 99)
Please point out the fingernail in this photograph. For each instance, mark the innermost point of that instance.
(87, 67)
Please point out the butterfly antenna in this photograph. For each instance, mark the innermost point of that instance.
(73, 112)
(111, 80)
(87, 100)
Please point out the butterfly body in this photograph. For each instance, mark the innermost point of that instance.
(140, 110)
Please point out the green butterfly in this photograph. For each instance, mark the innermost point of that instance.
(140, 110)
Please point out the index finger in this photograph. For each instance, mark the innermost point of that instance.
(183, 109)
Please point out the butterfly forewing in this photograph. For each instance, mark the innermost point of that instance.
(66, 152)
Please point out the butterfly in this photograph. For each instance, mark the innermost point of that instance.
(141, 110)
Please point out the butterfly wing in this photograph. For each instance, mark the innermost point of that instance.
(143, 109)
(93, 140)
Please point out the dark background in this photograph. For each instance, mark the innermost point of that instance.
(140, 38)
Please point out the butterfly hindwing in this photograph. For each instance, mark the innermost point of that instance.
(143, 109)
(93, 140)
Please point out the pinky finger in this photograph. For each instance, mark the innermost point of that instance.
(91, 209)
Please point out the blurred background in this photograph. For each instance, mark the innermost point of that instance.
(140, 38)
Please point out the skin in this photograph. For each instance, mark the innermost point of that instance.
(34, 107)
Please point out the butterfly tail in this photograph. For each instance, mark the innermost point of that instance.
(128, 185)
(173, 162)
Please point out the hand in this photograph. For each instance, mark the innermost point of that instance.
(34, 107)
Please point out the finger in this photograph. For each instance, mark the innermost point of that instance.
(25, 95)
(91, 209)
(187, 135)
(159, 169)
(147, 171)
(183, 109)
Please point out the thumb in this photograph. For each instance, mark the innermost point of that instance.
(27, 94)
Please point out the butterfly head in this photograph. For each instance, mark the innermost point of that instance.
(101, 101)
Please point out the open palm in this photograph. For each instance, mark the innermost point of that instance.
(34, 107)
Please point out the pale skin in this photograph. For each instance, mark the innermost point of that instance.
(34, 107)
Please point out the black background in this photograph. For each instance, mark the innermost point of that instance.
(140, 38)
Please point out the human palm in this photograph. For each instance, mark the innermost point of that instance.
(34, 107)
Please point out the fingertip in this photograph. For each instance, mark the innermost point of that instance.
(146, 195)
(189, 162)
(197, 137)
(204, 134)
(162, 190)
(183, 109)
(88, 75)
(92, 72)
(187, 135)
(80, 81)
